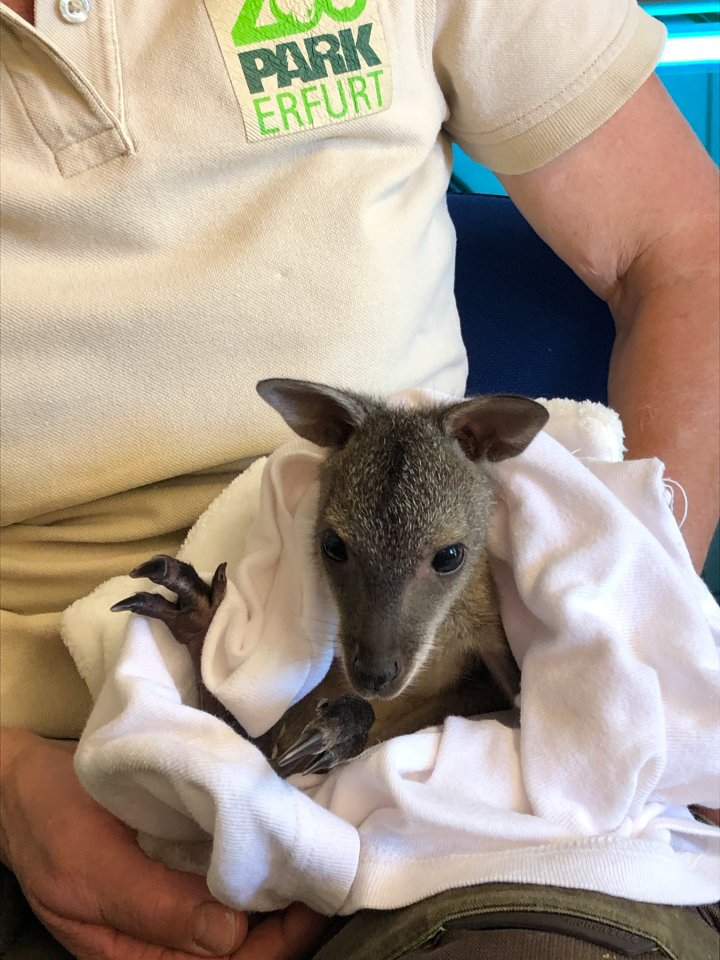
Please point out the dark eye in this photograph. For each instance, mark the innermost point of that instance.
(449, 559)
(334, 547)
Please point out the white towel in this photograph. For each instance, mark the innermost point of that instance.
(618, 643)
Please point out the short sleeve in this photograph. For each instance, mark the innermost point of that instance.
(527, 80)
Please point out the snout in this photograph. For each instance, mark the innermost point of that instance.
(374, 675)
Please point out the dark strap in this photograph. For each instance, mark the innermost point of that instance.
(623, 942)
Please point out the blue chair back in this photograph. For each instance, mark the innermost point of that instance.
(529, 324)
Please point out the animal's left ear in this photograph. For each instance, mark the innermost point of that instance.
(318, 413)
(495, 427)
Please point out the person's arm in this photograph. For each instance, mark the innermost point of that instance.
(90, 884)
(634, 210)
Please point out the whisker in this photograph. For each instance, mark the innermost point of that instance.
(313, 656)
(304, 618)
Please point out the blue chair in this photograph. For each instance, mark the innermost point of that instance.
(529, 324)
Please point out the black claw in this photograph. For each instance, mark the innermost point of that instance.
(129, 604)
(302, 748)
(326, 761)
(182, 578)
(146, 604)
(154, 569)
(218, 585)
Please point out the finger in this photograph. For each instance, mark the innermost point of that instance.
(146, 900)
(302, 929)
(89, 941)
(292, 934)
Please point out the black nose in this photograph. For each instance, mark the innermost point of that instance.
(377, 679)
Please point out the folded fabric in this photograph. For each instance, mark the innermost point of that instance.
(617, 639)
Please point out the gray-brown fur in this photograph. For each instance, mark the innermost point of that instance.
(397, 492)
(401, 488)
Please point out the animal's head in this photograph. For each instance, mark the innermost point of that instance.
(403, 513)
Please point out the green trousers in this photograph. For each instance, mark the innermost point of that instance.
(503, 921)
(486, 922)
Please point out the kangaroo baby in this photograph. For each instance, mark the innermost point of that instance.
(404, 505)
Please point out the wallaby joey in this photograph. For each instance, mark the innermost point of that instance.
(404, 504)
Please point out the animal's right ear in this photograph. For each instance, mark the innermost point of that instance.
(318, 413)
(495, 427)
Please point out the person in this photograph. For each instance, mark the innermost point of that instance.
(199, 195)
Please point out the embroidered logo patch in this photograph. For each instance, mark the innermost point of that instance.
(300, 64)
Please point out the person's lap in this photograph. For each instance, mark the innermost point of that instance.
(512, 921)
(484, 922)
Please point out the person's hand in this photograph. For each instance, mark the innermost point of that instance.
(90, 884)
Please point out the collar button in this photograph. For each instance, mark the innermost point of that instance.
(74, 11)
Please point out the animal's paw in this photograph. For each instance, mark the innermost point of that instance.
(189, 616)
(338, 732)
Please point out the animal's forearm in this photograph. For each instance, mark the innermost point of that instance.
(665, 370)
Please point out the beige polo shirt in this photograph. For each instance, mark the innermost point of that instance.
(197, 195)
